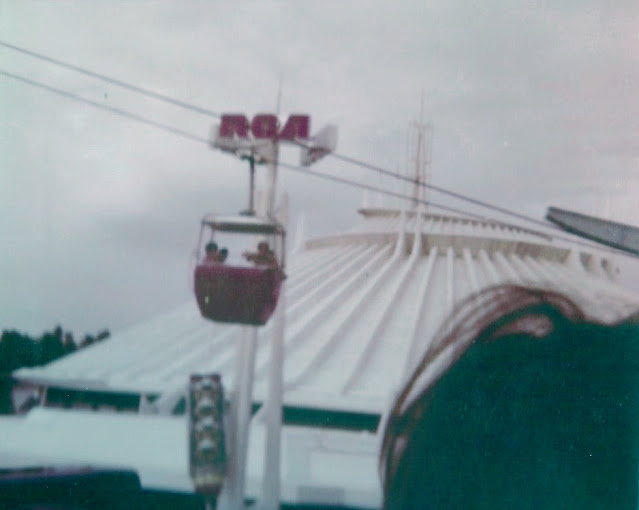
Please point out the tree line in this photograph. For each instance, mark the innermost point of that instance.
(19, 350)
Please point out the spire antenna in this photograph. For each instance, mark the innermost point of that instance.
(419, 156)
(279, 95)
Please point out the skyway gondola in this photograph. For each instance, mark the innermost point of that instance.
(241, 294)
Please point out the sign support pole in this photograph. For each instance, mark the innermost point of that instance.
(232, 496)
(239, 136)
(270, 496)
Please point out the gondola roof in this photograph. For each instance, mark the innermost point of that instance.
(243, 224)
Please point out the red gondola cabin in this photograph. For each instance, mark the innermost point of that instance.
(241, 294)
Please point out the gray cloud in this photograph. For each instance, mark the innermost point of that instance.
(531, 105)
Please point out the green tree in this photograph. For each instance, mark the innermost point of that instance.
(51, 347)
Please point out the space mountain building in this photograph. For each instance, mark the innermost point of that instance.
(361, 309)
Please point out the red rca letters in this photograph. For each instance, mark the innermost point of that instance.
(265, 125)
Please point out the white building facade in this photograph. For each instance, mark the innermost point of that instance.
(361, 310)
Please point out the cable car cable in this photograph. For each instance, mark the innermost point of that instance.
(112, 109)
(369, 187)
(444, 191)
(199, 139)
(114, 81)
(549, 236)
(347, 159)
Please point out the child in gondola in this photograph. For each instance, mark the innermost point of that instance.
(211, 253)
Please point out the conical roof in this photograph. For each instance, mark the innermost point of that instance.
(361, 309)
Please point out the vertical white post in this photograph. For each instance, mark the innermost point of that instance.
(270, 496)
(232, 497)
(400, 246)
(229, 495)
(272, 180)
(245, 406)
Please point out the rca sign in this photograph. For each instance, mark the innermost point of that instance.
(257, 138)
(265, 125)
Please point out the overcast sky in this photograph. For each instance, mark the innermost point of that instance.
(532, 106)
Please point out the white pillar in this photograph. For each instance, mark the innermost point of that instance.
(271, 186)
(400, 245)
(232, 496)
(270, 496)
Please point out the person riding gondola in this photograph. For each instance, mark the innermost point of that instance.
(211, 253)
(234, 292)
(215, 256)
(263, 257)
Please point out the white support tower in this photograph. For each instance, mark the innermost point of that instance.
(259, 142)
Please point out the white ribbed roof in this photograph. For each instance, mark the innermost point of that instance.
(362, 307)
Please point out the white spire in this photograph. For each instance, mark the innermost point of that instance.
(419, 156)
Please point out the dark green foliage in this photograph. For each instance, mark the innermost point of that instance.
(19, 350)
(6, 384)
(51, 346)
(69, 344)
